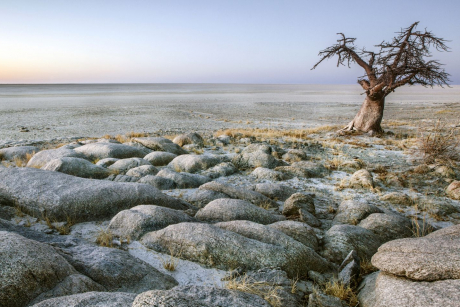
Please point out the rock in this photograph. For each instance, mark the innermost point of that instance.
(189, 138)
(220, 170)
(198, 296)
(274, 191)
(353, 211)
(124, 165)
(91, 299)
(445, 171)
(106, 162)
(309, 218)
(29, 269)
(224, 139)
(19, 152)
(59, 196)
(139, 146)
(240, 193)
(397, 198)
(433, 257)
(200, 198)
(77, 167)
(361, 179)
(299, 201)
(256, 155)
(160, 144)
(109, 150)
(266, 173)
(183, 180)
(382, 290)
(216, 247)
(122, 178)
(453, 190)
(142, 171)
(41, 158)
(115, 269)
(387, 227)
(7, 213)
(294, 155)
(298, 231)
(349, 270)
(194, 163)
(221, 210)
(339, 240)
(323, 300)
(305, 169)
(137, 221)
(160, 158)
(158, 182)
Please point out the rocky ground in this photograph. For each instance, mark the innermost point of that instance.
(242, 217)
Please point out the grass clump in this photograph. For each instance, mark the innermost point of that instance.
(105, 238)
(345, 293)
(420, 228)
(171, 262)
(267, 291)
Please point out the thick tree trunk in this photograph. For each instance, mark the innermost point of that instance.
(369, 116)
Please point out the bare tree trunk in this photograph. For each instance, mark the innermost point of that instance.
(369, 116)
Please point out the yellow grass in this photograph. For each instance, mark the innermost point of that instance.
(105, 238)
(267, 291)
(275, 133)
(337, 289)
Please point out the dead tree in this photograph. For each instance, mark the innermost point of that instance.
(399, 62)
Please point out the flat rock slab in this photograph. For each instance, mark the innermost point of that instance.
(430, 258)
(91, 299)
(383, 290)
(58, 196)
(195, 163)
(110, 150)
(183, 180)
(161, 144)
(160, 158)
(41, 158)
(77, 167)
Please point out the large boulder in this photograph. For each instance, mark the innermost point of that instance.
(142, 171)
(299, 201)
(59, 196)
(189, 138)
(124, 165)
(220, 170)
(194, 163)
(77, 167)
(339, 240)
(216, 247)
(383, 290)
(137, 221)
(161, 144)
(298, 231)
(256, 155)
(95, 151)
(198, 296)
(353, 211)
(433, 257)
(361, 179)
(32, 271)
(158, 182)
(91, 299)
(254, 197)
(388, 227)
(41, 158)
(200, 198)
(160, 158)
(274, 191)
(19, 152)
(221, 210)
(183, 180)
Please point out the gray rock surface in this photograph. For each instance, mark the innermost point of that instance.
(106, 162)
(160, 144)
(189, 138)
(274, 191)
(397, 198)
(305, 169)
(433, 257)
(299, 201)
(124, 165)
(19, 152)
(137, 221)
(256, 155)
(349, 270)
(183, 180)
(142, 171)
(383, 290)
(361, 179)
(216, 247)
(195, 163)
(95, 151)
(77, 167)
(353, 211)
(160, 158)
(388, 227)
(59, 196)
(200, 198)
(298, 231)
(198, 296)
(294, 155)
(323, 300)
(158, 182)
(308, 218)
(266, 173)
(41, 158)
(91, 299)
(222, 210)
(220, 170)
(254, 197)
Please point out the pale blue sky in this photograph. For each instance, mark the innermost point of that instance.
(203, 41)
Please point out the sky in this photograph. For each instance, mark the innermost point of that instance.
(169, 41)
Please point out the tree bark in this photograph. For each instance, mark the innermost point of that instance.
(369, 116)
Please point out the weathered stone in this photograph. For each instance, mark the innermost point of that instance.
(122, 178)
(106, 162)
(433, 257)
(221, 210)
(309, 218)
(305, 169)
(124, 165)
(109, 150)
(299, 201)
(397, 198)
(220, 170)
(383, 290)
(323, 300)
(19, 152)
(195, 163)
(339, 240)
(77, 167)
(353, 211)
(198, 296)
(349, 270)
(298, 231)
(161, 144)
(266, 173)
(240, 193)
(91, 299)
(294, 155)
(160, 158)
(189, 138)
(274, 191)
(387, 227)
(453, 190)
(216, 247)
(200, 198)
(183, 180)
(137, 221)
(361, 179)
(158, 182)
(59, 196)
(41, 158)
(256, 155)
(142, 171)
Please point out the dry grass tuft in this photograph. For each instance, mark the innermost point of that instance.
(334, 164)
(133, 134)
(171, 262)
(267, 291)
(420, 228)
(22, 162)
(105, 238)
(337, 289)
(121, 138)
(366, 267)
